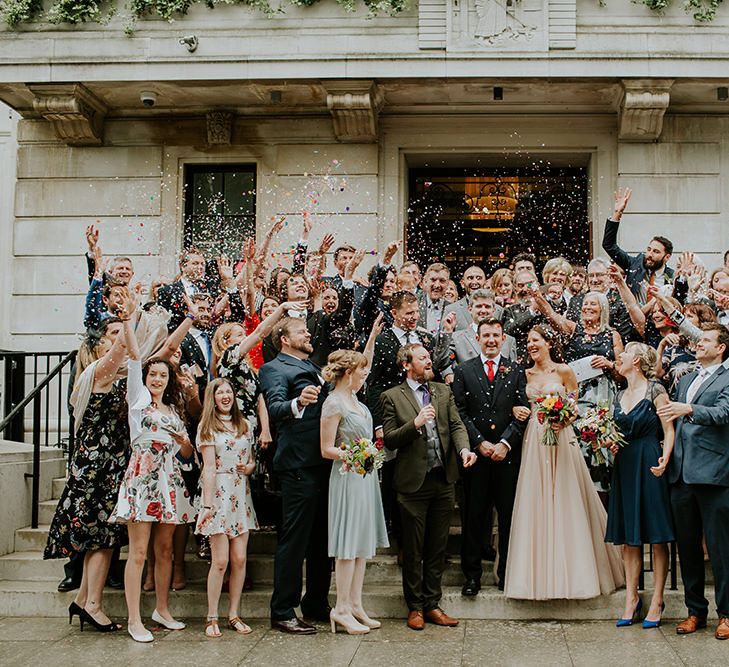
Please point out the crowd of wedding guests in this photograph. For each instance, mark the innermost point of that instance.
(230, 390)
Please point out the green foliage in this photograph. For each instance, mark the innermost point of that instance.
(702, 10)
(15, 12)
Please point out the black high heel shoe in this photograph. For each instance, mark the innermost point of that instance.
(74, 610)
(85, 617)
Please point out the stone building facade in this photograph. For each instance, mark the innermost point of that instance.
(332, 112)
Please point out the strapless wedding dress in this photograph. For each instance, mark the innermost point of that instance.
(557, 548)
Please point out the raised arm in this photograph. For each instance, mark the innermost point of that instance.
(174, 340)
(369, 349)
(109, 364)
(262, 254)
(266, 327)
(637, 316)
(565, 326)
(610, 238)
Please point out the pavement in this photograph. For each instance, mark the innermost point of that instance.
(46, 642)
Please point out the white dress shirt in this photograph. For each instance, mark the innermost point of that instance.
(704, 374)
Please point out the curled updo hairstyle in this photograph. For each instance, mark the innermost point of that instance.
(647, 357)
(88, 352)
(554, 342)
(341, 361)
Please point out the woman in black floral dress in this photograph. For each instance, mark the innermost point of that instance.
(99, 462)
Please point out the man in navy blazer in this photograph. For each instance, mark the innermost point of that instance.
(294, 392)
(699, 478)
(649, 267)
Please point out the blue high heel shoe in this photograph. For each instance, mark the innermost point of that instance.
(625, 622)
(654, 624)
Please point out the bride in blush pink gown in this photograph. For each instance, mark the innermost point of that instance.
(557, 548)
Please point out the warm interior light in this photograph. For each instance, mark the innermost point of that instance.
(491, 230)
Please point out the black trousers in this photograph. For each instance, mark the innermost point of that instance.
(702, 509)
(426, 519)
(389, 501)
(303, 535)
(487, 485)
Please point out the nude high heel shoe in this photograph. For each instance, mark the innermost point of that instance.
(351, 627)
(361, 615)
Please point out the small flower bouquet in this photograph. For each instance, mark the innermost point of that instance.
(362, 456)
(556, 412)
(597, 429)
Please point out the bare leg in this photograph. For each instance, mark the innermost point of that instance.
(355, 595)
(179, 543)
(238, 548)
(218, 564)
(96, 563)
(149, 577)
(83, 589)
(344, 574)
(138, 540)
(660, 573)
(632, 557)
(163, 534)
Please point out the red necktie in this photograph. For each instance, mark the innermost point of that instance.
(490, 371)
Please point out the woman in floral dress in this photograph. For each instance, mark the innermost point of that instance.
(227, 514)
(99, 461)
(153, 492)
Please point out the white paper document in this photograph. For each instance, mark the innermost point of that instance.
(583, 370)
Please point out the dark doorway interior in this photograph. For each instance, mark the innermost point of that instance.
(486, 216)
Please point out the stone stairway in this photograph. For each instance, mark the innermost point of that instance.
(28, 584)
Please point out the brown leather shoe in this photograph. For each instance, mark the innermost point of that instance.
(438, 617)
(690, 625)
(722, 630)
(415, 620)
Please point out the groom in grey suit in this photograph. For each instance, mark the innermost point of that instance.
(699, 478)
(464, 343)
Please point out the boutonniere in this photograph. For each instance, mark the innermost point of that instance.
(504, 369)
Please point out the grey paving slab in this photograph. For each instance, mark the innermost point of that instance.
(645, 654)
(19, 653)
(516, 651)
(393, 630)
(700, 649)
(597, 631)
(33, 629)
(407, 654)
(321, 650)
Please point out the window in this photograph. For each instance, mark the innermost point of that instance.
(220, 207)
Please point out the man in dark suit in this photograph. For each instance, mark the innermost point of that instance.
(521, 316)
(699, 478)
(645, 268)
(192, 280)
(294, 392)
(432, 300)
(422, 424)
(487, 388)
(196, 351)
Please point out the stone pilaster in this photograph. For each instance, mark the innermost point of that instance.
(643, 104)
(76, 113)
(355, 107)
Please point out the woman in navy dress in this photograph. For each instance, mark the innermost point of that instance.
(639, 510)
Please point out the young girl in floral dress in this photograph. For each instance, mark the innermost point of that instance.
(153, 492)
(225, 441)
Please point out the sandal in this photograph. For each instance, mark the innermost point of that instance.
(235, 623)
(212, 623)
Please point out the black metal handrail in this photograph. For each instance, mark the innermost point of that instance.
(13, 423)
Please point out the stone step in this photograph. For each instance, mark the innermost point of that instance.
(383, 569)
(40, 598)
(57, 487)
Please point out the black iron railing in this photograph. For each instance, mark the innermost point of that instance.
(47, 374)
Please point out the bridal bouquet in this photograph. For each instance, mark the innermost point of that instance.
(362, 456)
(597, 429)
(556, 411)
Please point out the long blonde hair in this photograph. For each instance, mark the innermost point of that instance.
(210, 421)
(221, 342)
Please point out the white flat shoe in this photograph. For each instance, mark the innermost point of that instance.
(143, 638)
(170, 625)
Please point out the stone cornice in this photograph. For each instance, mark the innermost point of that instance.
(76, 114)
(642, 106)
(355, 107)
